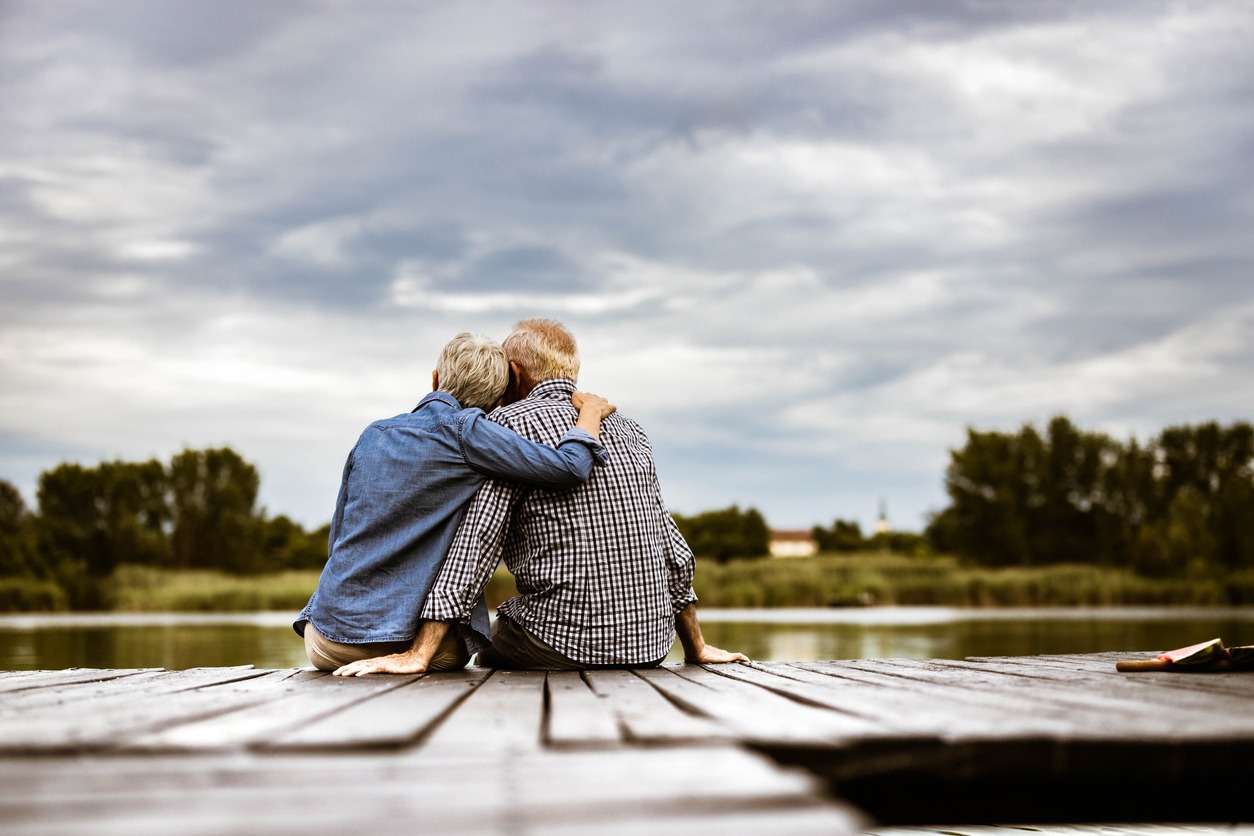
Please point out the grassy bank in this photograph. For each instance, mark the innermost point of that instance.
(824, 581)
(143, 589)
(865, 579)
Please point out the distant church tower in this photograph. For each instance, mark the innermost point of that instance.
(882, 526)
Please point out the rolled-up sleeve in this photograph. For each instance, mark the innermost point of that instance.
(500, 453)
(680, 565)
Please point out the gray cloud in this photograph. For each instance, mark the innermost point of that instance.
(806, 245)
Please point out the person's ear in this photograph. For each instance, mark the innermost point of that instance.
(435, 380)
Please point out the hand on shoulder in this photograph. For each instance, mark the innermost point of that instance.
(593, 403)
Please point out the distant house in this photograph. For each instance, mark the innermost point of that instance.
(793, 543)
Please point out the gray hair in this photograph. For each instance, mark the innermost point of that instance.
(473, 369)
(544, 348)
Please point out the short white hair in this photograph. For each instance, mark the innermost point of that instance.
(473, 369)
(544, 348)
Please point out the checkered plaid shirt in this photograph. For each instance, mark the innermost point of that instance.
(601, 568)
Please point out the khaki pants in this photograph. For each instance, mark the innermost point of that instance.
(514, 647)
(327, 655)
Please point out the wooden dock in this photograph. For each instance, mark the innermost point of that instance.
(819, 747)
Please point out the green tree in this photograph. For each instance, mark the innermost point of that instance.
(199, 512)
(1179, 503)
(901, 542)
(213, 502)
(92, 519)
(286, 545)
(990, 482)
(726, 534)
(1202, 510)
(18, 557)
(843, 536)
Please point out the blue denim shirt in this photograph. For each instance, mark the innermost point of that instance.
(405, 488)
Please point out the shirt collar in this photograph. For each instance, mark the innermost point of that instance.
(442, 397)
(554, 388)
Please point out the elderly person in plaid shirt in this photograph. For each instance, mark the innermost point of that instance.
(604, 576)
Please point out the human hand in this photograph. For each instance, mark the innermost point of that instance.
(711, 655)
(407, 662)
(597, 405)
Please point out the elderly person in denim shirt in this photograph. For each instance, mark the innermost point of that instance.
(405, 488)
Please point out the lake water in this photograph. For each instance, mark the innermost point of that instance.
(176, 641)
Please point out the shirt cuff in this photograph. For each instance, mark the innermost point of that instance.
(439, 608)
(678, 604)
(582, 436)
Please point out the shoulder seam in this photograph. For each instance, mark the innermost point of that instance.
(462, 418)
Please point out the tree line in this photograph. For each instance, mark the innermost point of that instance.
(730, 533)
(1181, 503)
(726, 534)
(198, 512)
(847, 536)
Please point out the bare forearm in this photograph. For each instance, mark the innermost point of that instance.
(689, 633)
(430, 634)
(590, 421)
(696, 651)
(593, 409)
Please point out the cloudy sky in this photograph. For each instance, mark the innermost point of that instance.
(804, 244)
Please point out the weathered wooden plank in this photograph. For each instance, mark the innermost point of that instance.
(902, 711)
(15, 701)
(1060, 689)
(124, 690)
(70, 676)
(504, 713)
(815, 819)
(1065, 680)
(394, 718)
(104, 723)
(976, 713)
(1235, 684)
(240, 794)
(632, 790)
(304, 698)
(576, 717)
(620, 790)
(646, 715)
(1097, 711)
(1238, 684)
(752, 713)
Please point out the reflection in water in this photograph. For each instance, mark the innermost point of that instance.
(958, 639)
(170, 646)
(267, 640)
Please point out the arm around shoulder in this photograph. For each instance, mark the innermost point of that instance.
(501, 453)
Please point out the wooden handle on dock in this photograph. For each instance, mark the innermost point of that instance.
(1142, 665)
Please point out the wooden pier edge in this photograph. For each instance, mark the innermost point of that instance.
(821, 747)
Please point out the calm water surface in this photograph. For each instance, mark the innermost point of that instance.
(178, 641)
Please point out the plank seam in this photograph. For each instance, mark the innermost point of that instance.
(780, 691)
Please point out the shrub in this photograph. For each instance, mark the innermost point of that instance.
(31, 595)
